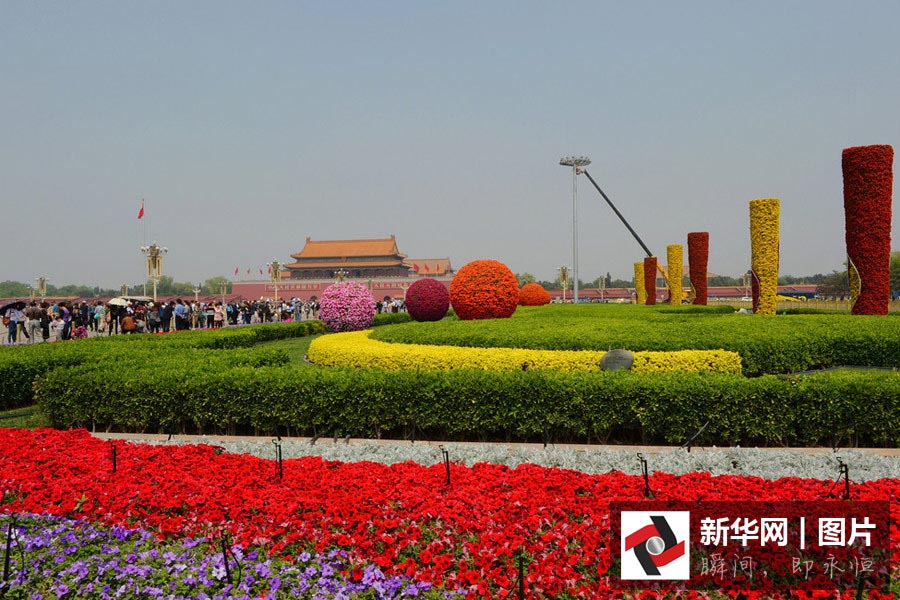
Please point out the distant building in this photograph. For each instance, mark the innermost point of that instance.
(376, 263)
(360, 259)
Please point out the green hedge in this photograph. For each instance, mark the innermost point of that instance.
(780, 344)
(844, 407)
(20, 366)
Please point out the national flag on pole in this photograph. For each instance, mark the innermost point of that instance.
(236, 270)
(260, 271)
(248, 270)
(425, 265)
(415, 267)
(141, 212)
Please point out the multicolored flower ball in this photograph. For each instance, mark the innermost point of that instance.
(346, 306)
(427, 300)
(484, 289)
(533, 294)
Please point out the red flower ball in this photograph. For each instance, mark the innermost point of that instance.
(427, 300)
(533, 294)
(484, 289)
(650, 279)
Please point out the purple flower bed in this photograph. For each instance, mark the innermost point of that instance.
(427, 300)
(54, 558)
(346, 306)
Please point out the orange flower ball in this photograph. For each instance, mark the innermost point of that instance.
(484, 289)
(533, 294)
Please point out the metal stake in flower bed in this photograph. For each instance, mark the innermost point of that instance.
(278, 458)
(446, 464)
(843, 473)
(521, 576)
(113, 452)
(690, 442)
(646, 473)
(6, 561)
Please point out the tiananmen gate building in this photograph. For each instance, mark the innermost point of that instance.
(375, 263)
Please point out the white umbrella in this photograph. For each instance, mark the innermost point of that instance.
(119, 302)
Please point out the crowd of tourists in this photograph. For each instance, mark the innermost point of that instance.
(34, 322)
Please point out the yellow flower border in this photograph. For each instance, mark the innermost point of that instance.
(357, 349)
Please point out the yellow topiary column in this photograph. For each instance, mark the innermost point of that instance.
(764, 248)
(675, 256)
(639, 288)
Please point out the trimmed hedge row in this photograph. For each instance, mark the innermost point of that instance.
(767, 344)
(845, 407)
(22, 365)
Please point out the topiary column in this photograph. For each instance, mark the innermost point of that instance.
(764, 247)
(650, 279)
(675, 257)
(639, 289)
(868, 183)
(698, 264)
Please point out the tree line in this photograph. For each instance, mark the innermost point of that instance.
(166, 286)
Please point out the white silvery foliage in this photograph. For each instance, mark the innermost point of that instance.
(767, 463)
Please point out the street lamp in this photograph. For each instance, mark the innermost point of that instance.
(340, 274)
(275, 275)
(124, 289)
(576, 162)
(197, 291)
(154, 263)
(564, 278)
(42, 287)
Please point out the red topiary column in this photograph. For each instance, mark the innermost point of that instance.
(868, 183)
(698, 263)
(650, 279)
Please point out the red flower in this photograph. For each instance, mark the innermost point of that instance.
(698, 263)
(533, 294)
(650, 279)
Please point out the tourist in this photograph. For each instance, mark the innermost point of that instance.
(153, 321)
(182, 318)
(165, 316)
(33, 322)
(46, 319)
(129, 324)
(218, 315)
(12, 317)
(99, 317)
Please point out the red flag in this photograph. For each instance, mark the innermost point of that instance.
(415, 267)
(248, 270)
(426, 266)
(141, 212)
(235, 270)
(260, 271)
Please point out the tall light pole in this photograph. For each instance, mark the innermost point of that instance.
(577, 163)
(275, 275)
(341, 274)
(564, 279)
(154, 263)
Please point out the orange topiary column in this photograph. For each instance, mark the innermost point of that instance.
(639, 289)
(698, 264)
(650, 279)
(868, 184)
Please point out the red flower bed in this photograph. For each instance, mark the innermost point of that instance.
(698, 263)
(868, 184)
(484, 289)
(533, 294)
(403, 518)
(427, 300)
(650, 279)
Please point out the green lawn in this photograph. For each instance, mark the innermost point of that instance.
(28, 417)
(296, 348)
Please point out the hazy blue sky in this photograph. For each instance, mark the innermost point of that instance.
(249, 126)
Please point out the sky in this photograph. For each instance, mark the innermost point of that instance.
(248, 127)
